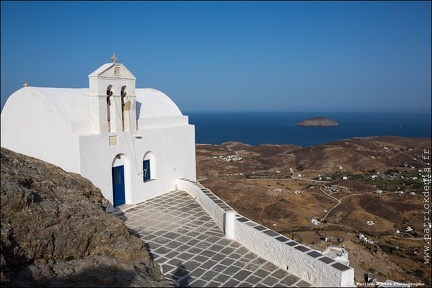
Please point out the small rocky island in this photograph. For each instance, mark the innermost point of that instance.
(318, 122)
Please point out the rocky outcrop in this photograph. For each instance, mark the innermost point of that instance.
(55, 232)
(318, 121)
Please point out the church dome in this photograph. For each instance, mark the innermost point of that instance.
(69, 104)
(154, 103)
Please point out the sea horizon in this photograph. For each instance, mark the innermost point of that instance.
(257, 128)
(425, 109)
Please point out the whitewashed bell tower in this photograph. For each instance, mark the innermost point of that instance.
(112, 98)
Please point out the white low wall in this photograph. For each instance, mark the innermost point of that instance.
(308, 264)
(213, 205)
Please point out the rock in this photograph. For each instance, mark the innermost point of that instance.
(318, 121)
(55, 231)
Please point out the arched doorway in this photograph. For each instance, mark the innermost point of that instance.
(119, 193)
(120, 179)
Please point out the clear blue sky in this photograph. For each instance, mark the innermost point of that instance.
(230, 56)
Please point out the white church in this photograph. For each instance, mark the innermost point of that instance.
(132, 143)
(135, 144)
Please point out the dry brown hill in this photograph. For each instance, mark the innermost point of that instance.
(284, 186)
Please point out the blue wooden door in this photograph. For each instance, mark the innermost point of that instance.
(146, 169)
(118, 185)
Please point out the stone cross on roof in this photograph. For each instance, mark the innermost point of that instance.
(113, 58)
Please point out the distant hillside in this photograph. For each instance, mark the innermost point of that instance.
(318, 121)
(55, 232)
(367, 185)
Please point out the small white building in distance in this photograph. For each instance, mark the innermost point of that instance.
(132, 143)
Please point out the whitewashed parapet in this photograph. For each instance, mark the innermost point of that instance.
(212, 204)
(302, 261)
(308, 264)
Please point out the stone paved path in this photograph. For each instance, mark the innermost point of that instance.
(192, 249)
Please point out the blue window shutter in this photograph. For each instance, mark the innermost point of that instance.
(146, 170)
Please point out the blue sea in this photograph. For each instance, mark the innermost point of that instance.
(257, 128)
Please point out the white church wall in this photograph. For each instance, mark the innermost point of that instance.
(156, 122)
(96, 162)
(173, 149)
(83, 127)
(97, 126)
(32, 126)
(98, 158)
